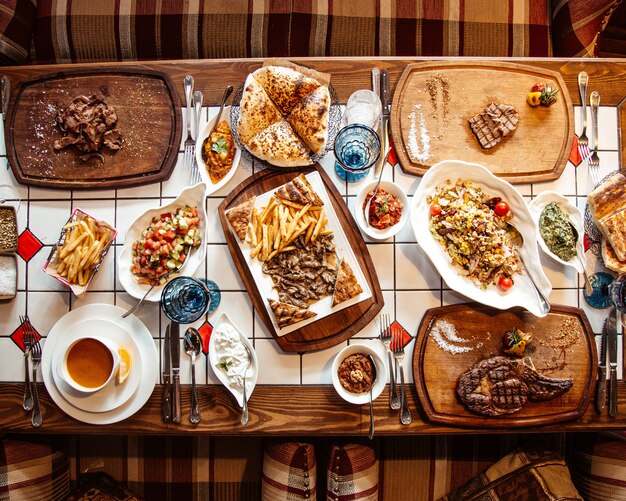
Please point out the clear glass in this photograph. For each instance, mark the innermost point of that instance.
(363, 107)
(357, 148)
(184, 300)
(9, 195)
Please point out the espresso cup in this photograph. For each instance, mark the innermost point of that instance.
(89, 364)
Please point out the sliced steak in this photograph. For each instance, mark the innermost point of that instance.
(495, 123)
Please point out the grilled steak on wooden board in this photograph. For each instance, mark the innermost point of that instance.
(497, 122)
(501, 385)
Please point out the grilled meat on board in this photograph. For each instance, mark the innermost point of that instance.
(494, 124)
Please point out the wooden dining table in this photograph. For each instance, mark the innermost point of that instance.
(293, 397)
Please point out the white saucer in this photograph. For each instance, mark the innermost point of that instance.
(112, 395)
(146, 348)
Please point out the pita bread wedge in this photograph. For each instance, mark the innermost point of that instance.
(346, 286)
(608, 198)
(610, 259)
(284, 86)
(614, 229)
(239, 217)
(280, 146)
(288, 314)
(310, 118)
(257, 111)
(300, 191)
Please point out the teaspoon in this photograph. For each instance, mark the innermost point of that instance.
(193, 346)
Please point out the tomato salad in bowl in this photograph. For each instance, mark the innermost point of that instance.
(388, 212)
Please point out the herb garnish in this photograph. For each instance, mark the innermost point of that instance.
(220, 146)
(224, 365)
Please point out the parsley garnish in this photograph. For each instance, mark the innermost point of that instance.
(224, 365)
(220, 146)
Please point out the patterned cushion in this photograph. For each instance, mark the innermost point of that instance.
(577, 25)
(84, 31)
(17, 18)
(353, 472)
(599, 466)
(32, 471)
(289, 472)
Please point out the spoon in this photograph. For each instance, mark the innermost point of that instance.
(588, 287)
(370, 435)
(244, 408)
(366, 211)
(192, 344)
(227, 92)
(158, 282)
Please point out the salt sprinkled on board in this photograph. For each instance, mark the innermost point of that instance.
(445, 334)
(8, 277)
(418, 153)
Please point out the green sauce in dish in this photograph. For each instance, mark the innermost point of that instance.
(557, 232)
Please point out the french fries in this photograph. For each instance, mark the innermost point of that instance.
(275, 227)
(85, 239)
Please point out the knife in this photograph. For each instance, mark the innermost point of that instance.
(175, 356)
(376, 90)
(167, 365)
(601, 389)
(385, 99)
(611, 328)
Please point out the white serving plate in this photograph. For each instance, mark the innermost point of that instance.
(522, 293)
(192, 196)
(253, 371)
(379, 382)
(536, 207)
(212, 187)
(370, 231)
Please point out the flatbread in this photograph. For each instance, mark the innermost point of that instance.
(284, 86)
(608, 198)
(614, 229)
(239, 217)
(257, 111)
(310, 118)
(610, 259)
(280, 146)
(288, 314)
(300, 191)
(346, 286)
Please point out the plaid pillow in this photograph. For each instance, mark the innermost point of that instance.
(289, 472)
(17, 18)
(353, 472)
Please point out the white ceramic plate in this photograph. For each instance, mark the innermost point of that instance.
(370, 231)
(112, 395)
(253, 372)
(212, 187)
(536, 207)
(192, 196)
(522, 293)
(379, 382)
(147, 349)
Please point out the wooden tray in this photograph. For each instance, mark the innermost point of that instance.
(537, 151)
(436, 371)
(149, 118)
(330, 330)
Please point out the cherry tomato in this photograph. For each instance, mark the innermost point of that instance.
(505, 283)
(533, 98)
(435, 209)
(501, 208)
(538, 87)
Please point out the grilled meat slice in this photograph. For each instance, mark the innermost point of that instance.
(497, 122)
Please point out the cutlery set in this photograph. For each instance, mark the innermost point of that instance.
(32, 350)
(171, 374)
(193, 100)
(608, 346)
(590, 157)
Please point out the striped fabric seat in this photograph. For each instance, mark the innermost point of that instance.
(289, 472)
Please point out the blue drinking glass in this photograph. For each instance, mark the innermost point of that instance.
(357, 148)
(184, 300)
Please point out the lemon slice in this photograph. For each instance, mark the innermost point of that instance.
(125, 364)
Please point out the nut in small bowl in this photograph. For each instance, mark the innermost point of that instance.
(82, 246)
(389, 211)
(352, 373)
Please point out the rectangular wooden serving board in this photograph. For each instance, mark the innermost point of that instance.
(434, 100)
(149, 120)
(331, 329)
(479, 330)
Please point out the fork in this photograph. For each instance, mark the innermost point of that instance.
(594, 160)
(398, 353)
(35, 352)
(385, 337)
(197, 106)
(583, 141)
(28, 341)
(189, 142)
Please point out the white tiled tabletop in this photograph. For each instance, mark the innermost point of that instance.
(410, 283)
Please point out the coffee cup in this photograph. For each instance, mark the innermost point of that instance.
(89, 364)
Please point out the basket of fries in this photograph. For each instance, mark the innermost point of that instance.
(83, 244)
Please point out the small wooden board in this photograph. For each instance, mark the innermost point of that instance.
(330, 330)
(434, 101)
(149, 119)
(437, 370)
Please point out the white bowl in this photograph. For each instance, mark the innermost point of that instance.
(212, 187)
(370, 231)
(379, 382)
(192, 196)
(536, 207)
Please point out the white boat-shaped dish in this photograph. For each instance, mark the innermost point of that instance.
(370, 231)
(536, 207)
(522, 293)
(212, 187)
(194, 197)
(253, 371)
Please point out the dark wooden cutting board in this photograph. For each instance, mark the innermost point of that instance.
(437, 370)
(434, 100)
(332, 329)
(149, 119)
